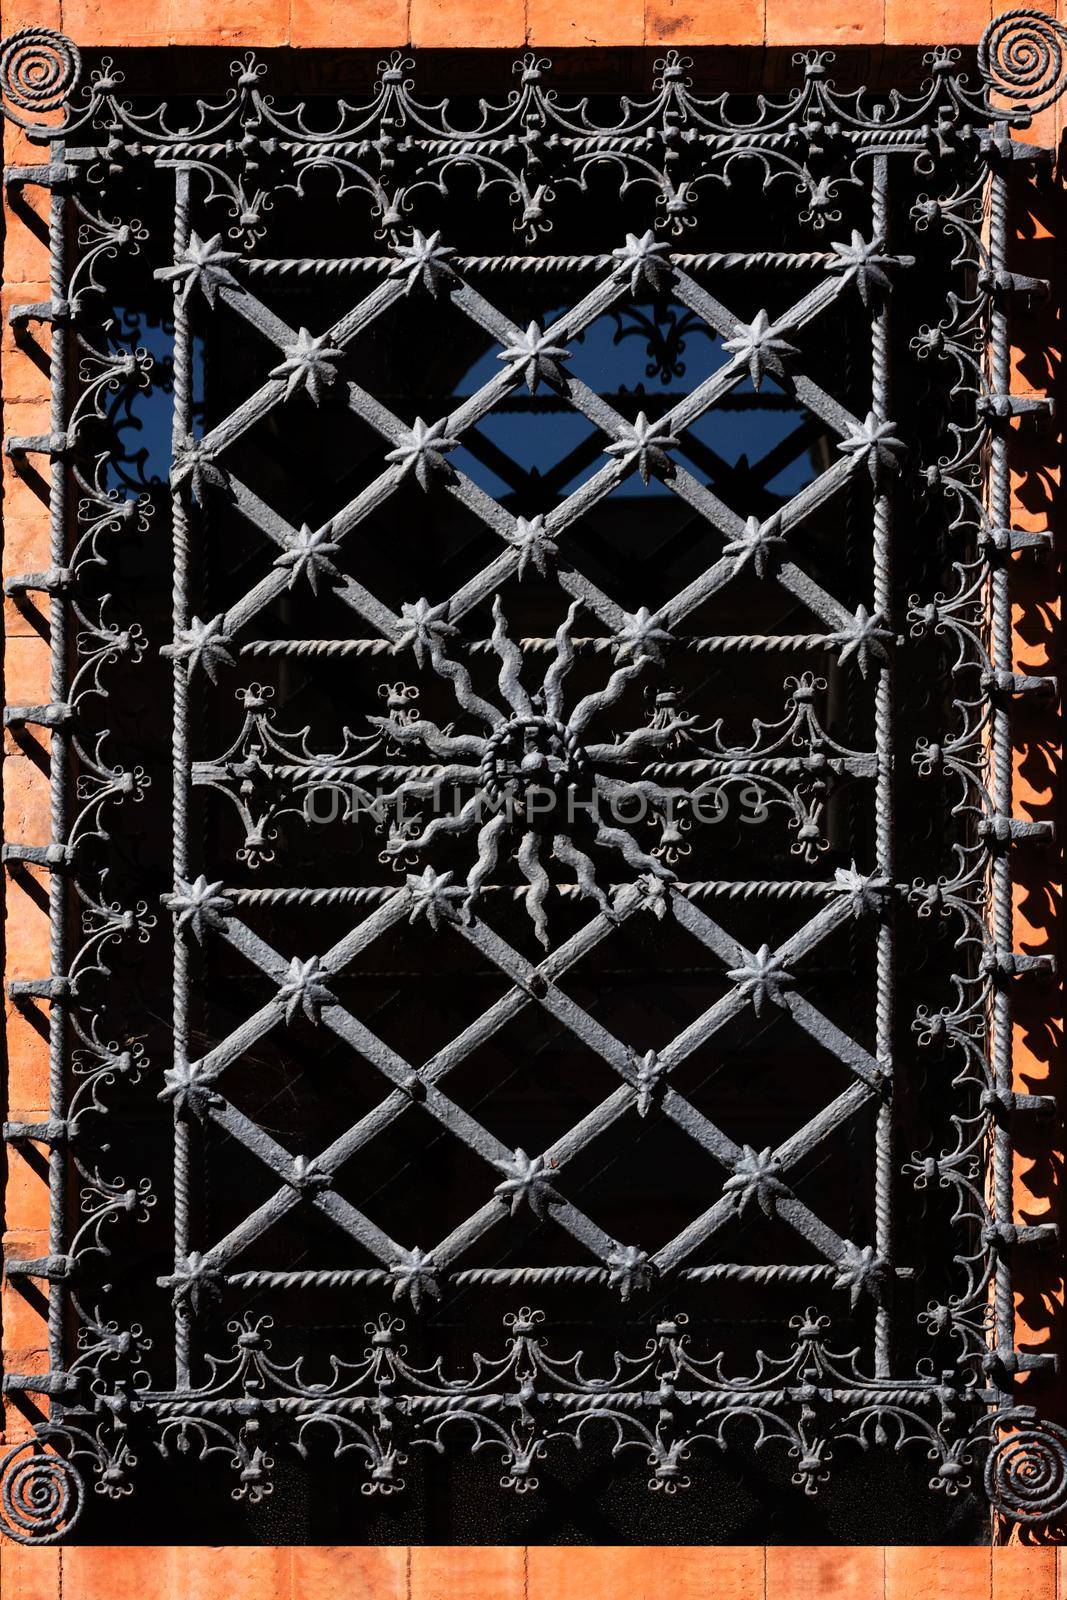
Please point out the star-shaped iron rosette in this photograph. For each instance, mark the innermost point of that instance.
(423, 628)
(424, 261)
(527, 1181)
(645, 263)
(533, 357)
(197, 903)
(875, 442)
(309, 364)
(423, 451)
(415, 1275)
(759, 544)
(533, 544)
(305, 989)
(202, 264)
(310, 556)
(756, 1180)
(646, 446)
(764, 977)
(203, 644)
(431, 897)
(195, 465)
(760, 348)
(863, 261)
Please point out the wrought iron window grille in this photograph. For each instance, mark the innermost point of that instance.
(832, 266)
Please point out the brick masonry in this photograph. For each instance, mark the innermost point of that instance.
(512, 1573)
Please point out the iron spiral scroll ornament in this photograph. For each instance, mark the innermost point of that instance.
(1022, 58)
(39, 70)
(666, 1392)
(1026, 1473)
(41, 1493)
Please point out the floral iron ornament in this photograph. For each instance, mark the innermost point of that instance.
(586, 761)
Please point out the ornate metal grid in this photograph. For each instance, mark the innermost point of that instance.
(895, 233)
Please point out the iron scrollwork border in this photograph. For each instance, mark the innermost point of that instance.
(101, 1400)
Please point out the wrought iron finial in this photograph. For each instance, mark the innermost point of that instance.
(1021, 57)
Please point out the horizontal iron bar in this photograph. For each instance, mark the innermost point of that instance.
(54, 1131)
(58, 715)
(38, 444)
(46, 175)
(1012, 830)
(52, 1269)
(57, 580)
(1012, 539)
(53, 856)
(746, 260)
(54, 989)
(1004, 1102)
(58, 312)
(1018, 683)
(57, 1385)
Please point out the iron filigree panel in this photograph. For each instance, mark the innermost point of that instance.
(570, 909)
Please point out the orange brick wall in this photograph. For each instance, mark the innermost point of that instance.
(485, 24)
(517, 1573)
(510, 1573)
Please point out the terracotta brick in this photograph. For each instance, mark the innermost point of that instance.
(26, 1191)
(116, 22)
(1020, 1574)
(26, 534)
(24, 417)
(20, 621)
(825, 1574)
(374, 23)
(27, 1066)
(103, 1572)
(936, 1573)
(25, 1342)
(695, 22)
(23, 377)
(198, 1573)
(614, 22)
(26, 800)
(936, 21)
(258, 23)
(797, 22)
(490, 24)
(466, 1572)
(24, 507)
(29, 1574)
(25, 251)
(646, 1573)
(350, 1572)
(25, 925)
(10, 294)
(27, 668)
(18, 14)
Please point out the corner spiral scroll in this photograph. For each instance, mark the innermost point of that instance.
(1026, 1473)
(39, 69)
(1022, 58)
(41, 1494)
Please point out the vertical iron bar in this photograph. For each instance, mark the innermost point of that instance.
(181, 426)
(59, 757)
(883, 801)
(1001, 654)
